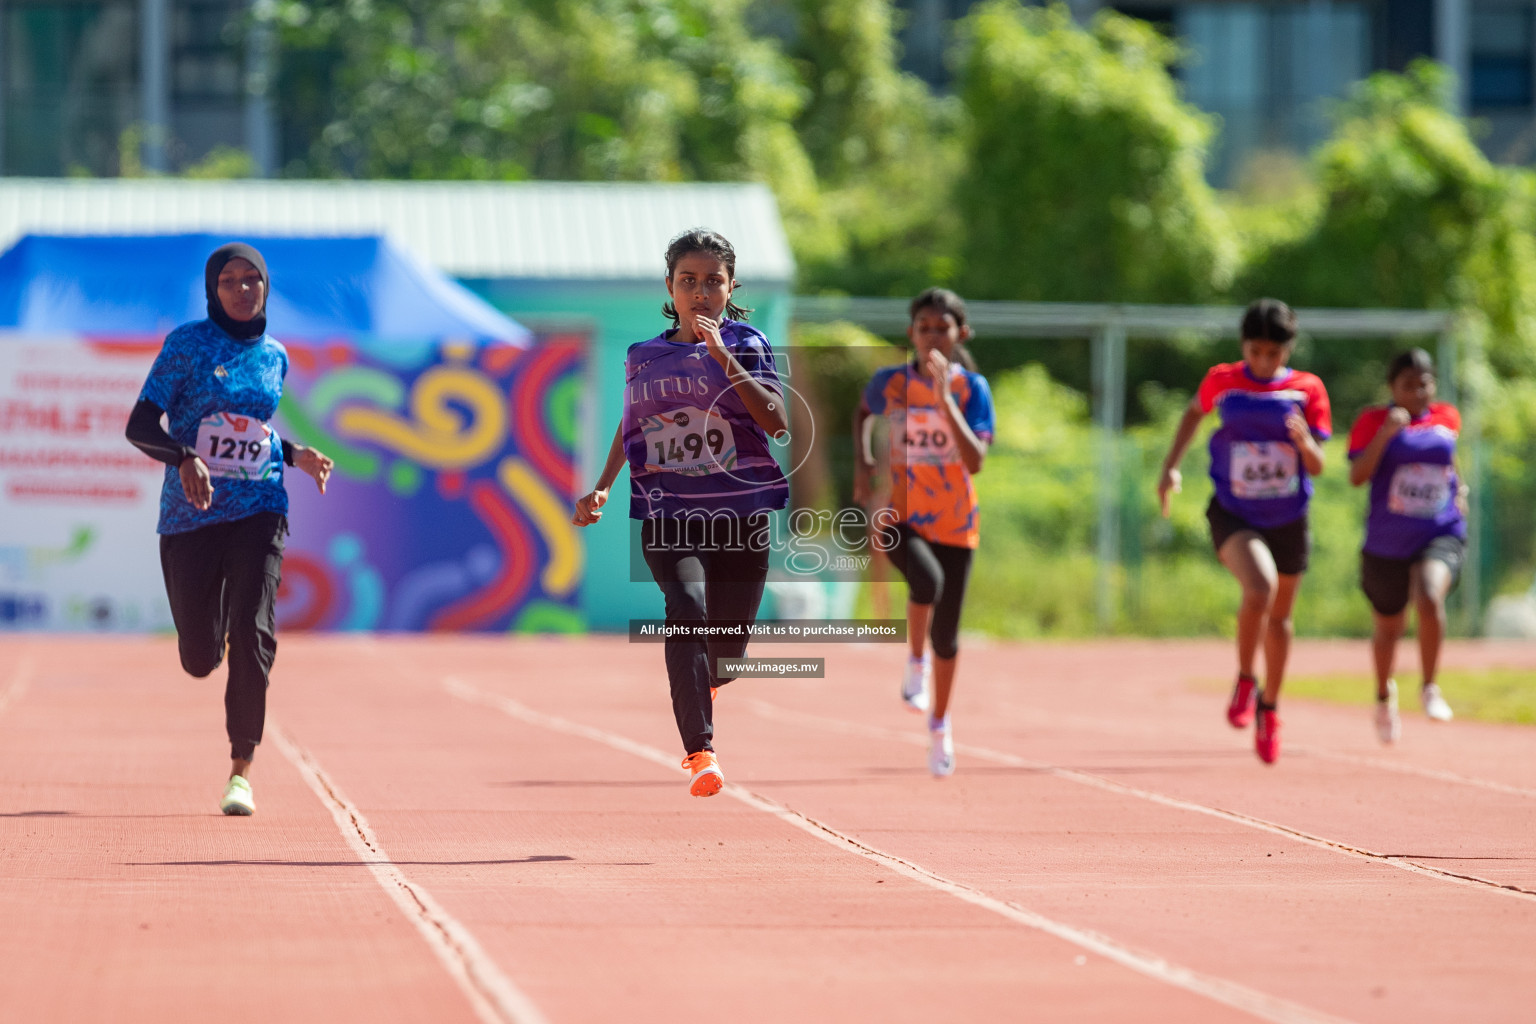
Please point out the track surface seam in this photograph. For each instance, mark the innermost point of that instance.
(1221, 990)
(494, 997)
(773, 711)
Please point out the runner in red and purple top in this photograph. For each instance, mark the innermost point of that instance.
(1262, 460)
(700, 402)
(1416, 529)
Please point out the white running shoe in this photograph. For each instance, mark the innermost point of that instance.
(1435, 706)
(237, 797)
(917, 683)
(1388, 726)
(941, 748)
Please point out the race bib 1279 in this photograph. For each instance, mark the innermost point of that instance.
(1264, 469)
(236, 446)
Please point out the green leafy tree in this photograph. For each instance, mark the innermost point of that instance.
(661, 90)
(885, 148)
(1083, 170)
(1413, 215)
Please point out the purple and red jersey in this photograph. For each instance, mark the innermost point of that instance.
(1257, 470)
(932, 491)
(1413, 490)
(691, 444)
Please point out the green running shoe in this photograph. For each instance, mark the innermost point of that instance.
(237, 797)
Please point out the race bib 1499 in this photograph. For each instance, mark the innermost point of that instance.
(1264, 469)
(690, 441)
(236, 446)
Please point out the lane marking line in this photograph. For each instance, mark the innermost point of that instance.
(773, 711)
(495, 999)
(1084, 723)
(21, 678)
(1438, 774)
(1221, 990)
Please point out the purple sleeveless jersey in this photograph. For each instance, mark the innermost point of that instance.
(691, 444)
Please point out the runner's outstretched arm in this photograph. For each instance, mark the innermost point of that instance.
(588, 506)
(1172, 481)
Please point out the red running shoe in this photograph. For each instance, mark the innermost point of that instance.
(1266, 736)
(1244, 694)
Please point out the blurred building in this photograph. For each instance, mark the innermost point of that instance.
(102, 87)
(1269, 69)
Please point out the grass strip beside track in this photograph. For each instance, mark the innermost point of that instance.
(1504, 695)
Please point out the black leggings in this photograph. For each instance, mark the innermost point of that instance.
(222, 584)
(936, 575)
(716, 583)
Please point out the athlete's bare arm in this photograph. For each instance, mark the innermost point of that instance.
(1171, 481)
(1364, 466)
(1301, 436)
(972, 449)
(767, 407)
(865, 461)
(589, 506)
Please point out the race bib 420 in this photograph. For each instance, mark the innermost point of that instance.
(930, 439)
(236, 446)
(689, 441)
(1419, 489)
(1264, 469)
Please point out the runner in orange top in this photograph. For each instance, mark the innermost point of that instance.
(941, 421)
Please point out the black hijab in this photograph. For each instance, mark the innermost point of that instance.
(243, 330)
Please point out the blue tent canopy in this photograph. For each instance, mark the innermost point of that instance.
(365, 287)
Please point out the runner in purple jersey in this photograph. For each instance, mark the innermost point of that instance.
(701, 400)
(1415, 529)
(1273, 419)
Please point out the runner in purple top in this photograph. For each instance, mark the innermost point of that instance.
(700, 403)
(1416, 526)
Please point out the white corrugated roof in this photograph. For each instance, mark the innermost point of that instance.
(581, 230)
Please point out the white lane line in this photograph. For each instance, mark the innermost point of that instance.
(1438, 774)
(1221, 990)
(21, 678)
(773, 711)
(1084, 723)
(496, 1000)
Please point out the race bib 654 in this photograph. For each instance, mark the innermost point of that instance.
(1264, 469)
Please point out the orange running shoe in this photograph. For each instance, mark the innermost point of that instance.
(708, 779)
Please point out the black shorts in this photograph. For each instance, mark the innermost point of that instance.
(1386, 580)
(1289, 544)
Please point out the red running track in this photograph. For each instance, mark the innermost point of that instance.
(497, 830)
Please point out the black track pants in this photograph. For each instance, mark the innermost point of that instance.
(222, 584)
(936, 575)
(716, 582)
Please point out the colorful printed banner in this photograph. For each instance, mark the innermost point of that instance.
(449, 508)
(450, 504)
